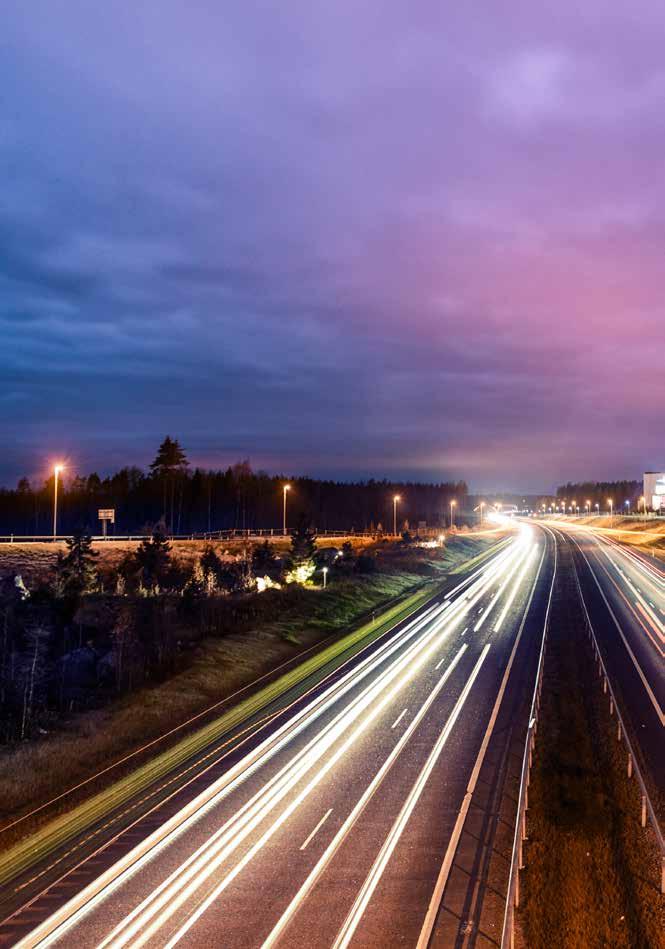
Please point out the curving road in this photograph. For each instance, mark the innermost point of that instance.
(374, 810)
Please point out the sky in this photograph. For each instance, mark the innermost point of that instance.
(350, 239)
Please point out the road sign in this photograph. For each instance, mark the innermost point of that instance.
(106, 515)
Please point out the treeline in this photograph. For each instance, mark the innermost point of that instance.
(187, 500)
(600, 493)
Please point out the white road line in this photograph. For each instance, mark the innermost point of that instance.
(360, 805)
(437, 895)
(402, 714)
(374, 876)
(318, 826)
(645, 681)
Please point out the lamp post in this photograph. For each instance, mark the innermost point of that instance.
(611, 504)
(325, 577)
(597, 508)
(482, 505)
(395, 500)
(287, 488)
(452, 511)
(588, 507)
(643, 502)
(56, 471)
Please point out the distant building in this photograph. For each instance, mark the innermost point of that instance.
(654, 490)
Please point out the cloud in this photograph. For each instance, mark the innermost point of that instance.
(345, 240)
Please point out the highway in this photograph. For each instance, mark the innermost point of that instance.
(375, 809)
(624, 593)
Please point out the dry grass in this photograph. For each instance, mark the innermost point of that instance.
(35, 562)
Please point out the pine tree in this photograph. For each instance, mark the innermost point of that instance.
(303, 549)
(264, 562)
(153, 557)
(169, 465)
(77, 569)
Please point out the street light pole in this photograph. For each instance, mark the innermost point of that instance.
(395, 500)
(611, 504)
(452, 512)
(56, 472)
(287, 487)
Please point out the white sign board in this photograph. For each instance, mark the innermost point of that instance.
(106, 514)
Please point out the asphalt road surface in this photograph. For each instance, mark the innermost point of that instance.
(624, 592)
(375, 810)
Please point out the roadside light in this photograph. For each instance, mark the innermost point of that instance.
(396, 500)
(287, 488)
(56, 471)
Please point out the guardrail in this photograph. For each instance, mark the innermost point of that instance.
(195, 535)
(646, 807)
(232, 534)
(517, 855)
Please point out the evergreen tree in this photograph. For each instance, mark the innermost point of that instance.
(153, 557)
(303, 549)
(77, 569)
(211, 568)
(169, 466)
(264, 561)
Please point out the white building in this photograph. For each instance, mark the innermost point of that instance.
(654, 490)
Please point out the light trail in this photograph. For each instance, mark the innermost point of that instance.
(344, 830)
(419, 639)
(369, 886)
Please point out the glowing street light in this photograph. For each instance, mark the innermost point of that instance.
(643, 502)
(597, 506)
(287, 488)
(611, 504)
(325, 577)
(482, 505)
(452, 511)
(56, 471)
(395, 500)
(588, 507)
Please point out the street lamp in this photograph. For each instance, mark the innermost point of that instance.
(287, 488)
(588, 507)
(597, 506)
(611, 504)
(395, 500)
(482, 505)
(643, 502)
(627, 504)
(56, 471)
(452, 511)
(325, 576)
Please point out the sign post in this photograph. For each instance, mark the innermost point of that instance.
(106, 515)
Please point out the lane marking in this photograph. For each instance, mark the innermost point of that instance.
(318, 827)
(399, 718)
(374, 876)
(360, 805)
(442, 879)
(645, 682)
